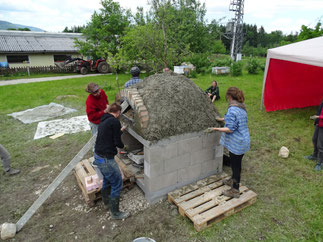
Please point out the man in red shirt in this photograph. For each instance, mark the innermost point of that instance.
(96, 105)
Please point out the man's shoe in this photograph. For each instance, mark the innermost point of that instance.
(12, 172)
(228, 182)
(310, 157)
(234, 193)
(115, 212)
(318, 167)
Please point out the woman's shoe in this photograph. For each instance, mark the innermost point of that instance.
(234, 193)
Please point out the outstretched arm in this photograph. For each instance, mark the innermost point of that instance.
(224, 129)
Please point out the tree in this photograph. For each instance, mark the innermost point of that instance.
(218, 47)
(143, 44)
(309, 33)
(20, 29)
(182, 27)
(74, 29)
(139, 17)
(104, 31)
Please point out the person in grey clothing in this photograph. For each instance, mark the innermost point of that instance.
(5, 157)
(135, 72)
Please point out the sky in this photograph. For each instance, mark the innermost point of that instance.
(54, 15)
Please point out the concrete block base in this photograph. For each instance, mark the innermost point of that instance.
(178, 161)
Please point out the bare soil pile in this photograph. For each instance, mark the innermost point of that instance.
(175, 106)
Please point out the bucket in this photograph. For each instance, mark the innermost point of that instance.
(143, 239)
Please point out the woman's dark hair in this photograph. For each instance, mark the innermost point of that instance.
(235, 93)
(114, 108)
(215, 82)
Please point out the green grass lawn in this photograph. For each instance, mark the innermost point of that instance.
(290, 193)
(23, 75)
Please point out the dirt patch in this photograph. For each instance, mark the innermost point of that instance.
(175, 106)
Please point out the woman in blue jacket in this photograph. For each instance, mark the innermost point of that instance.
(235, 137)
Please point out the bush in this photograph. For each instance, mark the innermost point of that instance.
(200, 61)
(262, 64)
(193, 74)
(253, 66)
(222, 62)
(218, 47)
(236, 68)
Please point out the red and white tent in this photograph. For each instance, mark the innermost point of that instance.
(294, 76)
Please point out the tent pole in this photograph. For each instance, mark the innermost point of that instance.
(264, 82)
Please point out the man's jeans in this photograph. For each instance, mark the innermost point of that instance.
(111, 174)
(5, 157)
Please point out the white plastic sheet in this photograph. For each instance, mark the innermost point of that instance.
(66, 126)
(41, 113)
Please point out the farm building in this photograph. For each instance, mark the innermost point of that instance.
(25, 48)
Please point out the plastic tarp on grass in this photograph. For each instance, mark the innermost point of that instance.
(65, 126)
(41, 113)
(294, 76)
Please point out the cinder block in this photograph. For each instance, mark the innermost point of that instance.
(190, 145)
(177, 163)
(154, 154)
(147, 169)
(158, 183)
(217, 137)
(189, 173)
(219, 151)
(154, 170)
(209, 166)
(171, 150)
(219, 164)
(211, 139)
(202, 155)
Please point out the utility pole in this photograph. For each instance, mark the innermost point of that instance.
(235, 28)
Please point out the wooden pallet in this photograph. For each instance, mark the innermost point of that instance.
(204, 204)
(82, 170)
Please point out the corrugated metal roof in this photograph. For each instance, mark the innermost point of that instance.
(27, 41)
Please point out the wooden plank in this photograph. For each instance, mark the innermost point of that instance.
(81, 173)
(127, 173)
(88, 166)
(216, 200)
(190, 197)
(184, 191)
(225, 209)
(57, 181)
(82, 170)
(82, 188)
(204, 197)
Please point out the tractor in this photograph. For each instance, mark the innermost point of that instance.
(85, 66)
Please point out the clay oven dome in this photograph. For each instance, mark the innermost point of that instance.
(168, 104)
